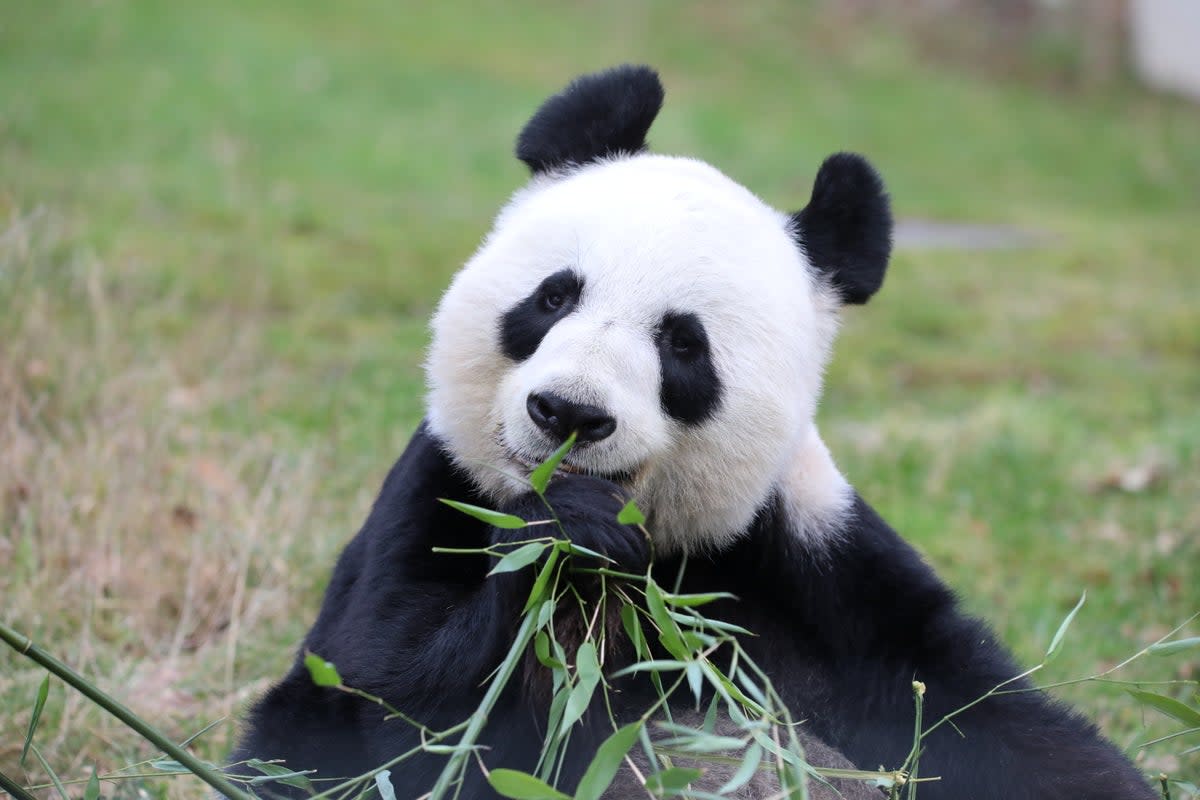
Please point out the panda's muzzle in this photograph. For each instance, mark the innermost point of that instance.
(558, 417)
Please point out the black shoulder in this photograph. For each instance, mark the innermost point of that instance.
(596, 116)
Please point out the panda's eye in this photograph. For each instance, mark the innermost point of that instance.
(552, 300)
(558, 292)
(684, 343)
(682, 335)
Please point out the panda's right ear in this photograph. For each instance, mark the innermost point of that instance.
(846, 228)
(598, 115)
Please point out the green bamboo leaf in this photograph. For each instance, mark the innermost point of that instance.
(651, 666)
(522, 786)
(633, 629)
(1169, 706)
(586, 662)
(274, 773)
(695, 640)
(541, 648)
(446, 749)
(1170, 648)
(751, 687)
(540, 477)
(668, 630)
(714, 624)
(39, 703)
(630, 514)
(695, 679)
(729, 691)
(58, 784)
(710, 716)
(383, 782)
(672, 780)
(92, 790)
(520, 558)
(690, 600)
(497, 518)
(694, 741)
(323, 672)
(579, 550)
(750, 761)
(607, 761)
(1052, 650)
(541, 581)
(587, 673)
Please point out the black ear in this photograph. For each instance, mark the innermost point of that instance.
(846, 228)
(597, 115)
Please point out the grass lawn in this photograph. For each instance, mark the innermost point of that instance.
(223, 226)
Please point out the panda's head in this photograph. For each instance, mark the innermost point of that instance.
(672, 320)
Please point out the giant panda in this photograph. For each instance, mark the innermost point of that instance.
(678, 327)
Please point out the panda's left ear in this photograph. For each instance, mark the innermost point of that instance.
(599, 115)
(846, 228)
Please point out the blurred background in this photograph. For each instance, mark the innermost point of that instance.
(223, 226)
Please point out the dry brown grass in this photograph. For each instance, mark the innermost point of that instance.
(136, 541)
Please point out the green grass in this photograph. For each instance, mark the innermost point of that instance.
(227, 224)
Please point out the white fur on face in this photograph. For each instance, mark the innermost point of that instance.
(649, 235)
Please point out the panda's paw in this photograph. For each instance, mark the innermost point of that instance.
(587, 507)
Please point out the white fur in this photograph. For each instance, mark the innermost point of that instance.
(649, 234)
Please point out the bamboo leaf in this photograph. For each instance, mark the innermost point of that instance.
(274, 773)
(383, 782)
(540, 477)
(39, 703)
(577, 702)
(541, 581)
(651, 666)
(520, 558)
(672, 780)
(1170, 648)
(1052, 650)
(92, 790)
(323, 672)
(695, 679)
(690, 600)
(587, 670)
(668, 629)
(497, 518)
(58, 784)
(1169, 706)
(633, 629)
(579, 550)
(586, 662)
(630, 514)
(750, 761)
(607, 761)
(522, 786)
(541, 648)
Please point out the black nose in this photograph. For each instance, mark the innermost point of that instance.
(558, 417)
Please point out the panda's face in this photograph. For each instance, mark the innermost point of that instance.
(657, 309)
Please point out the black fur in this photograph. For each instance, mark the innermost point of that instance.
(843, 634)
(846, 228)
(691, 390)
(596, 116)
(523, 326)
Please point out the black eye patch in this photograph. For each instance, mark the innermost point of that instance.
(523, 326)
(691, 390)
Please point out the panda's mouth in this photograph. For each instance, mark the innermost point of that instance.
(625, 477)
